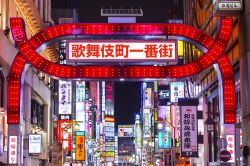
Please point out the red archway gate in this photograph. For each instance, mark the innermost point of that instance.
(27, 54)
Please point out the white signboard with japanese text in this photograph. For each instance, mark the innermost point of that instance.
(64, 97)
(121, 50)
(35, 143)
(12, 149)
(231, 147)
(176, 91)
(80, 105)
(189, 144)
(230, 4)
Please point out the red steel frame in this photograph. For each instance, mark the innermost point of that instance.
(27, 54)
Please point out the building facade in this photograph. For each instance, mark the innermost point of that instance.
(37, 87)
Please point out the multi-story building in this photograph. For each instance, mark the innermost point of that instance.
(37, 106)
(205, 15)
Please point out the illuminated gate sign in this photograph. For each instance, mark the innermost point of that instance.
(121, 50)
(213, 53)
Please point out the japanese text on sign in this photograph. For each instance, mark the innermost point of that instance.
(189, 130)
(231, 146)
(117, 50)
(80, 148)
(12, 149)
(227, 4)
(64, 97)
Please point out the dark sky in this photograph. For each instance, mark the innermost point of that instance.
(89, 11)
(127, 101)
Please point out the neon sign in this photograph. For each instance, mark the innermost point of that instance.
(121, 50)
(27, 54)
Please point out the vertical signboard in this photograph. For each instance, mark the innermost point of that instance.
(146, 123)
(109, 132)
(189, 144)
(64, 97)
(80, 105)
(109, 98)
(231, 147)
(35, 143)
(148, 98)
(12, 149)
(80, 146)
(176, 122)
(176, 91)
(65, 132)
(62, 52)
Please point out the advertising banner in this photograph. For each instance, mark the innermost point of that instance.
(64, 97)
(189, 132)
(12, 149)
(35, 143)
(125, 131)
(176, 91)
(80, 146)
(164, 139)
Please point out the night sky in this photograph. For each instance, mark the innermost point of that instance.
(90, 11)
(127, 94)
(127, 101)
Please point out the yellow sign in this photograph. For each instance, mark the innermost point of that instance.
(80, 147)
(109, 154)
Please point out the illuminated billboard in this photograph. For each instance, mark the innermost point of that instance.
(125, 131)
(64, 97)
(117, 51)
(164, 139)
